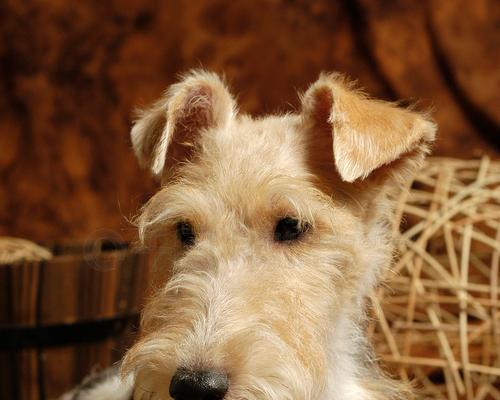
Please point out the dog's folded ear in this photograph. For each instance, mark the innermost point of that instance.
(166, 133)
(367, 134)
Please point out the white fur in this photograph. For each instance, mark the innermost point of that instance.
(113, 388)
(284, 320)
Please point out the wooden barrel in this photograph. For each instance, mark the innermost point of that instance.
(62, 317)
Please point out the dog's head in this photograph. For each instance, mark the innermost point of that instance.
(271, 232)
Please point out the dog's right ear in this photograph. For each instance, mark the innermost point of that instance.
(166, 133)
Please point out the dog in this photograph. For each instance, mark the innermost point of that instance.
(271, 234)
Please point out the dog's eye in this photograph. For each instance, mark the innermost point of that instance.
(185, 233)
(288, 229)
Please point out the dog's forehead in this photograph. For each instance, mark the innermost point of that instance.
(269, 145)
(247, 165)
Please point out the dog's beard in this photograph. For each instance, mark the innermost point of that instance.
(260, 366)
(201, 320)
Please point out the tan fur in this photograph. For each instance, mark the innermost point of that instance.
(284, 320)
(366, 133)
(200, 101)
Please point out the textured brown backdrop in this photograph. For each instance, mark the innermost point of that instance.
(71, 72)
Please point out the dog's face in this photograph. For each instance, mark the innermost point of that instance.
(271, 232)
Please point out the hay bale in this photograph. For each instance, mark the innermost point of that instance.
(438, 316)
(16, 250)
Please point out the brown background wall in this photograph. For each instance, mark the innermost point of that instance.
(72, 71)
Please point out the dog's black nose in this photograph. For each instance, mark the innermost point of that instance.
(198, 385)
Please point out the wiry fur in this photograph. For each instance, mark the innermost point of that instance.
(284, 320)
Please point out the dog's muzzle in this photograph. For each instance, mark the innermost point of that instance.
(198, 385)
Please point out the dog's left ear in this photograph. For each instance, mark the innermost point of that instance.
(367, 134)
(166, 133)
